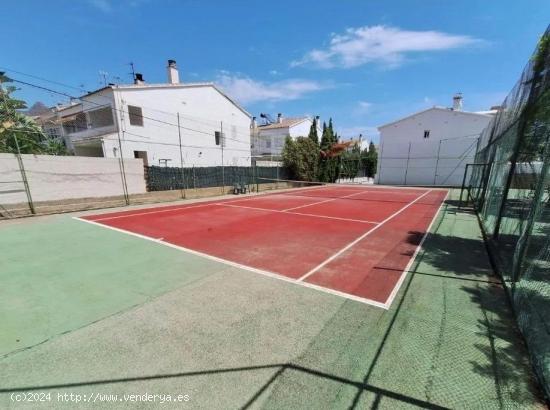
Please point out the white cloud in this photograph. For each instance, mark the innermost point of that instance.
(369, 132)
(103, 5)
(362, 108)
(246, 90)
(380, 44)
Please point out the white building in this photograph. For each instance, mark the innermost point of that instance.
(269, 139)
(141, 121)
(430, 147)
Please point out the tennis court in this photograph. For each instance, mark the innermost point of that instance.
(350, 240)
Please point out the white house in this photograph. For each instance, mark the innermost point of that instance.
(153, 121)
(430, 147)
(268, 139)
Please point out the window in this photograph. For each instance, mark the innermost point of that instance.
(427, 134)
(136, 115)
(101, 117)
(220, 138)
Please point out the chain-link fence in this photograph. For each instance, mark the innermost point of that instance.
(509, 184)
(440, 162)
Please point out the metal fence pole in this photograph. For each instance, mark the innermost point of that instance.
(222, 141)
(121, 160)
(407, 167)
(181, 160)
(379, 164)
(24, 177)
(437, 161)
(526, 236)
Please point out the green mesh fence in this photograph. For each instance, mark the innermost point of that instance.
(171, 178)
(509, 185)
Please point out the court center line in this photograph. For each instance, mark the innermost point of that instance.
(324, 201)
(401, 279)
(363, 236)
(273, 275)
(299, 213)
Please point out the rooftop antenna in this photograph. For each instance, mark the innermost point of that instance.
(133, 71)
(103, 77)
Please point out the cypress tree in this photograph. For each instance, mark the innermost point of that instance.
(325, 145)
(313, 132)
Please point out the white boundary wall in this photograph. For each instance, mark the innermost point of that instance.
(427, 163)
(53, 178)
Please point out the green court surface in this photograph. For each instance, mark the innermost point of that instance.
(90, 311)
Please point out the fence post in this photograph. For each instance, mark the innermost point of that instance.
(222, 141)
(437, 161)
(181, 160)
(24, 177)
(121, 160)
(407, 167)
(379, 165)
(525, 237)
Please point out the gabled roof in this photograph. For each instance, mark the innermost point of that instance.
(285, 123)
(169, 86)
(435, 108)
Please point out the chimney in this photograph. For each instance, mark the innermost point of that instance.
(173, 74)
(279, 118)
(457, 102)
(253, 124)
(139, 79)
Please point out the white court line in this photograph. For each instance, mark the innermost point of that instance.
(241, 266)
(348, 246)
(187, 206)
(298, 213)
(201, 205)
(401, 279)
(324, 201)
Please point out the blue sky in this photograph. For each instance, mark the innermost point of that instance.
(363, 63)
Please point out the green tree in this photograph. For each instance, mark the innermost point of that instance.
(350, 162)
(329, 166)
(313, 135)
(300, 157)
(370, 160)
(19, 133)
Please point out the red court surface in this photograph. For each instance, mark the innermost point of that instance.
(349, 240)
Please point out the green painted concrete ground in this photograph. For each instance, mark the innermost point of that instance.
(90, 311)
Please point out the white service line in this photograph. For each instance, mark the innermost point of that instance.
(241, 266)
(298, 213)
(322, 202)
(401, 279)
(186, 206)
(348, 246)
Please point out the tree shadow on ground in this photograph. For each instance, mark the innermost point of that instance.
(506, 355)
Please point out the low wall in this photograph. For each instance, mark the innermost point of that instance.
(54, 178)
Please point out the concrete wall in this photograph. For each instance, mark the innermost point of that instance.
(54, 178)
(407, 158)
